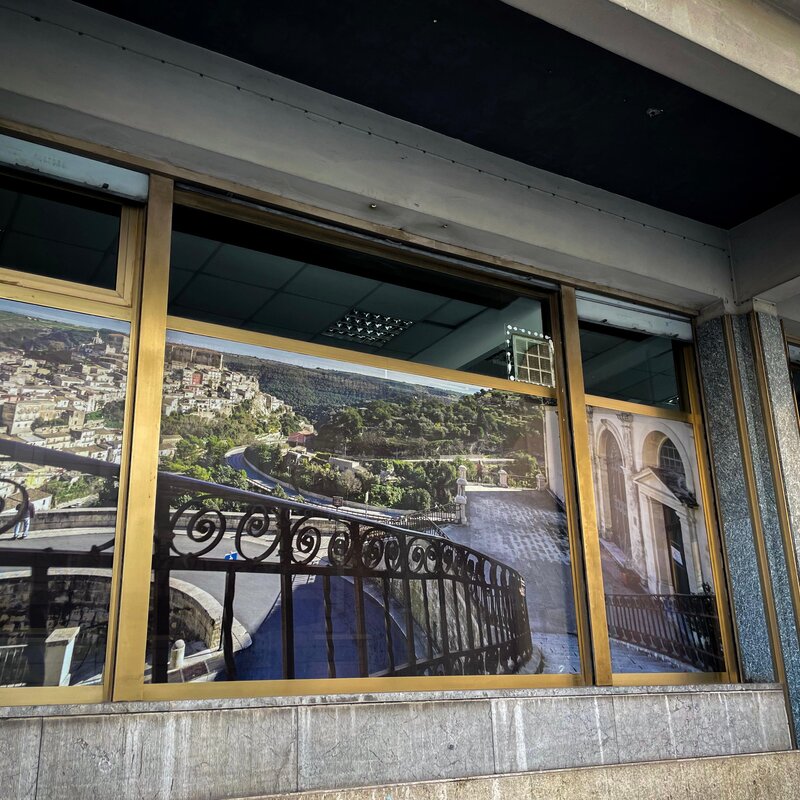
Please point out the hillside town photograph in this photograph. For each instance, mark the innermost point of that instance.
(474, 471)
(63, 382)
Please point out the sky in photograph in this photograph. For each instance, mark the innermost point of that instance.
(68, 317)
(315, 362)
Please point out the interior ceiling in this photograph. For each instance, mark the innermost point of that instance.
(248, 276)
(502, 80)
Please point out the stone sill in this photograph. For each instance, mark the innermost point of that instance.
(160, 706)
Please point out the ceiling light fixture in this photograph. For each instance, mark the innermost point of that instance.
(366, 327)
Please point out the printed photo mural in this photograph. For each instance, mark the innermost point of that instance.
(657, 573)
(318, 518)
(63, 380)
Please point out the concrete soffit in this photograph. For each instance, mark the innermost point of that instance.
(126, 87)
(744, 53)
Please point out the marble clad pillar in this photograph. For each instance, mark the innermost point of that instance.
(740, 525)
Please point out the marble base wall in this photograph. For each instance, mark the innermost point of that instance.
(209, 750)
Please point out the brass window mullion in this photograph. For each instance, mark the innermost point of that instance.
(140, 510)
(579, 587)
(576, 401)
(129, 264)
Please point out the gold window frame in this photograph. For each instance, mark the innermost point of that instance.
(119, 304)
(579, 403)
(130, 683)
(141, 298)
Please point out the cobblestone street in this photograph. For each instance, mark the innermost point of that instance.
(525, 529)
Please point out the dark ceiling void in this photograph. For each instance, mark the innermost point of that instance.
(502, 80)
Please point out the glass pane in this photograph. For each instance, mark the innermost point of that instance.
(247, 276)
(319, 519)
(62, 392)
(794, 369)
(57, 233)
(628, 365)
(660, 601)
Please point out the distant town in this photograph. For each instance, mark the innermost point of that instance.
(197, 382)
(65, 395)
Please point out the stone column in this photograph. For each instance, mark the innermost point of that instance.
(58, 649)
(740, 417)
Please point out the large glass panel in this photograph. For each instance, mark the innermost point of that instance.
(57, 233)
(62, 392)
(248, 276)
(318, 518)
(660, 599)
(630, 365)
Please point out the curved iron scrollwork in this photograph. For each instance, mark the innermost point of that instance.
(447, 609)
(457, 610)
(22, 506)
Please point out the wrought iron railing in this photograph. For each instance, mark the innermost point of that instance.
(13, 665)
(683, 627)
(446, 608)
(458, 611)
(429, 521)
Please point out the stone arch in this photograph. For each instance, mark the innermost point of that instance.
(651, 449)
(670, 522)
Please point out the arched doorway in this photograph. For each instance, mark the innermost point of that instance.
(671, 465)
(617, 494)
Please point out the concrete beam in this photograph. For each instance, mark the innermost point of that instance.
(129, 88)
(744, 53)
(765, 254)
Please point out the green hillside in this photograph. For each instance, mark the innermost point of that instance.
(313, 392)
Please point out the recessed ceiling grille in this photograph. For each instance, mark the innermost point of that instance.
(367, 327)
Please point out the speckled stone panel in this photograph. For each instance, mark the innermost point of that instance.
(773, 539)
(784, 416)
(735, 518)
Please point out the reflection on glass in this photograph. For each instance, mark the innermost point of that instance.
(629, 365)
(321, 519)
(58, 234)
(657, 575)
(248, 276)
(794, 370)
(62, 393)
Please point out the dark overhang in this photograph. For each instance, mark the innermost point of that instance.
(488, 74)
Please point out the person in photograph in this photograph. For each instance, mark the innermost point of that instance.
(23, 526)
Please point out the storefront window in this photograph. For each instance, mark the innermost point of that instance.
(630, 365)
(55, 233)
(320, 518)
(63, 380)
(659, 586)
(655, 553)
